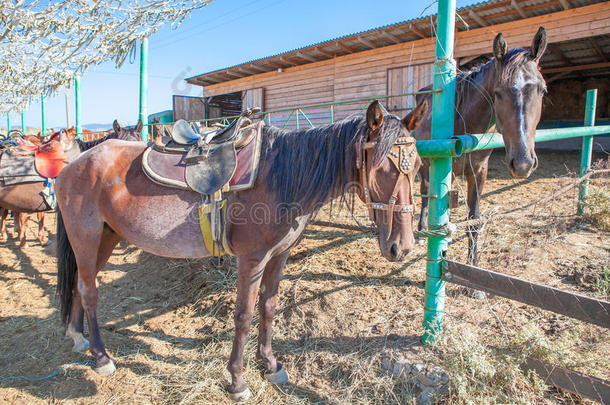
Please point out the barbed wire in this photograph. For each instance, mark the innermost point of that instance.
(42, 48)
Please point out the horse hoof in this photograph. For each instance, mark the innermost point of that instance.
(280, 377)
(107, 369)
(478, 295)
(241, 396)
(420, 241)
(81, 346)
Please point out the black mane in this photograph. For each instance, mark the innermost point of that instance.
(313, 166)
(83, 146)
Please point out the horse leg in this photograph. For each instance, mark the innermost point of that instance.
(274, 371)
(88, 266)
(475, 190)
(75, 327)
(249, 274)
(22, 219)
(3, 215)
(42, 234)
(16, 228)
(424, 188)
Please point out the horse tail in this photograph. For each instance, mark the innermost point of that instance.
(66, 270)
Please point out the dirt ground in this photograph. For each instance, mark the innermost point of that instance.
(168, 323)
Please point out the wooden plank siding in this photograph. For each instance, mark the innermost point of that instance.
(402, 67)
(188, 108)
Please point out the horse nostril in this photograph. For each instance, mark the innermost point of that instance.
(511, 165)
(394, 250)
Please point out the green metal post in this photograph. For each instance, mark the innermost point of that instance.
(297, 118)
(332, 114)
(23, 128)
(43, 130)
(8, 122)
(144, 87)
(443, 104)
(77, 109)
(587, 149)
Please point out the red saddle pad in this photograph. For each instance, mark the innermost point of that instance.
(50, 159)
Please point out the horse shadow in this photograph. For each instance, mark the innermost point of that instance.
(130, 302)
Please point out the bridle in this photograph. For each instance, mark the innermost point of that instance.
(403, 154)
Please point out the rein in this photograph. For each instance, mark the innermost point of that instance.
(403, 155)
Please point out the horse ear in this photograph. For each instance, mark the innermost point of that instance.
(539, 44)
(415, 117)
(139, 126)
(116, 127)
(499, 47)
(374, 116)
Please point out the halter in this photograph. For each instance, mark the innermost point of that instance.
(403, 154)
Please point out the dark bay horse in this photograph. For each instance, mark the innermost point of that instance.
(27, 198)
(506, 92)
(105, 197)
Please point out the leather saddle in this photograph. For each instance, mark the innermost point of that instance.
(219, 159)
(49, 157)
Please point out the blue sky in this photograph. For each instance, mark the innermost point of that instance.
(226, 32)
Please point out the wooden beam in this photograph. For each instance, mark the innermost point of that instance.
(553, 47)
(306, 57)
(245, 71)
(366, 42)
(565, 4)
(344, 47)
(256, 68)
(416, 31)
(325, 53)
(229, 73)
(477, 18)
(517, 7)
(467, 59)
(284, 60)
(576, 68)
(556, 77)
(598, 49)
(391, 37)
(276, 65)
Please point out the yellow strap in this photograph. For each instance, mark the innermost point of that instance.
(206, 231)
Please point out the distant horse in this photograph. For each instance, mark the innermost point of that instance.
(21, 219)
(506, 92)
(105, 197)
(28, 197)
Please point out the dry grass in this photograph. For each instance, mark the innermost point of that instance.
(597, 208)
(168, 323)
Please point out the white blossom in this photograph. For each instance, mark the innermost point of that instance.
(43, 44)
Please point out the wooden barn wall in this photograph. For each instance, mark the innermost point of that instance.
(365, 74)
(188, 108)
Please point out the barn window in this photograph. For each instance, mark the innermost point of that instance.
(407, 79)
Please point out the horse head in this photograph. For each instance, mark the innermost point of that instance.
(128, 133)
(387, 162)
(517, 91)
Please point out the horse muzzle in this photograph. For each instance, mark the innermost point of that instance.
(521, 167)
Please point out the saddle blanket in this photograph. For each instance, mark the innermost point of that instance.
(16, 169)
(169, 169)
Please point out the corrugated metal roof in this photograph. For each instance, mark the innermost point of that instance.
(476, 15)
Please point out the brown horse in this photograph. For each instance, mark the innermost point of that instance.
(27, 198)
(105, 197)
(20, 219)
(506, 92)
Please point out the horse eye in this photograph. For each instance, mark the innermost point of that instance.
(498, 94)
